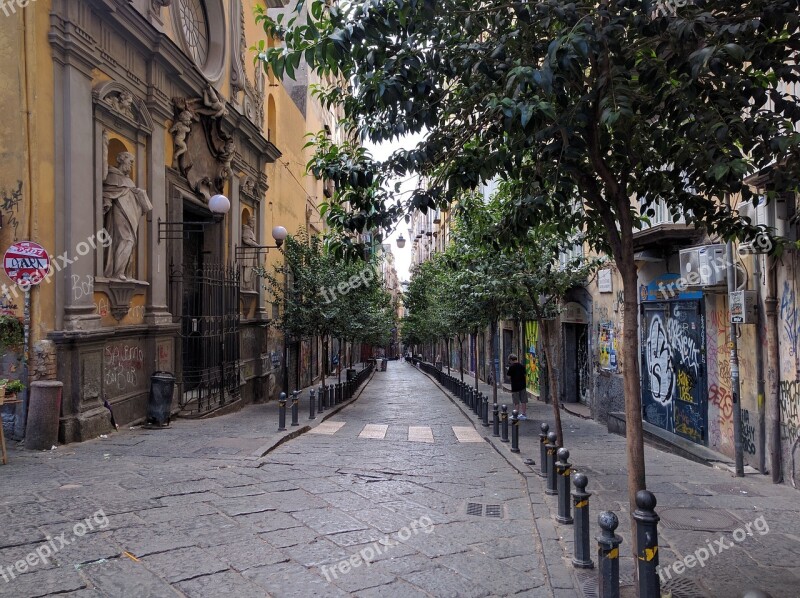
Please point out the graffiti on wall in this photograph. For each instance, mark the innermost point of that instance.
(122, 366)
(789, 316)
(718, 369)
(10, 201)
(532, 356)
(790, 410)
(673, 388)
(748, 433)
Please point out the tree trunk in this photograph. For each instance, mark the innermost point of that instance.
(551, 352)
(495, 372)
(341, 362)
(461, 356)
(630, 376)
(477, 360)
(448, 355)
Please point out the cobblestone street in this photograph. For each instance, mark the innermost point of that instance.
(190, 511)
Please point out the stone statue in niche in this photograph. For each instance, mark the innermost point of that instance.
(123, 206)
(122, 103)
(213, 103)
(180, 130)
(226, 157)
(251, 256)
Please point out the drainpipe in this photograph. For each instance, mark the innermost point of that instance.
(734, 360)
(760, 404)
(771, 307)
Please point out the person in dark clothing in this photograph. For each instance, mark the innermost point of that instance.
(519, 392)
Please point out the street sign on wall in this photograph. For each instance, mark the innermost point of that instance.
(26, 263)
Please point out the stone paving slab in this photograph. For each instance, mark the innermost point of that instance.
(768, 562)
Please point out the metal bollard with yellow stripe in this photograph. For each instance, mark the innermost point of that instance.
(647, 544)
(580, 500)
(552, 447)
(608, 555)
(563, 471)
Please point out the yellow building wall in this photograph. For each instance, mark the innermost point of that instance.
(27, 151)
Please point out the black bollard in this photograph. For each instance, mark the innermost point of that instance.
(476, 404)
(321, 399)
(514, 431)
(647, 544)
(496, 420)
(608, 556)
(485, 412)
(543, 450)
(552, 447)
(331, 396)
(580, 500)
(282, 412)
(312, 403)
(563, 471)
(295, 409)
(504, 423)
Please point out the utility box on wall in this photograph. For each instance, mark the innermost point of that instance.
(743, 307)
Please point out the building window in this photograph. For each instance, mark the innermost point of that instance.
(194, 24)
(200, 25)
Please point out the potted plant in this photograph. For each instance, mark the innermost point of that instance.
(11, 333)
(10, 388)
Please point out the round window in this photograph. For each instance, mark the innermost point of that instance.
(201, 27)
(194, 24)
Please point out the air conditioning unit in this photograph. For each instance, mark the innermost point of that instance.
(703, 266)
(775, 215)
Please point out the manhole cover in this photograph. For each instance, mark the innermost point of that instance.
(474, 508)
(675, 588)
(589, 583)
(698, 520)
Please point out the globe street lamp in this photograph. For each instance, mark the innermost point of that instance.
(401, 242)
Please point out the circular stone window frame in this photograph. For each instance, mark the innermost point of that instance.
(217, 38)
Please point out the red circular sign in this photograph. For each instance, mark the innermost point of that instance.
(26, 263)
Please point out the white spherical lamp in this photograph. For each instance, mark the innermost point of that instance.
(219, 205)
(279, 234)
(401, 242)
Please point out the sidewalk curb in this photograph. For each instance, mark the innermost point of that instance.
(264, 450)
(530, 477)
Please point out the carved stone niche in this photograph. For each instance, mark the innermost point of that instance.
(120, 293)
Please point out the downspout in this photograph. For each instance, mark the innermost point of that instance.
(760, 380)
(771, 308)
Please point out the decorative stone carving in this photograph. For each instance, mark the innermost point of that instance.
(122, 103)
(203, 154)
(120, 293)
(251, 257)
(180, 131)
(123, 206)
(248, 186)
(253, 100)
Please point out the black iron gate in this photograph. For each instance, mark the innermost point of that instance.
(209, 318)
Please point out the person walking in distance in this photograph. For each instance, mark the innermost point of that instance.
(519, 394)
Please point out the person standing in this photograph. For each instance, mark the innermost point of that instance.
(519, 392)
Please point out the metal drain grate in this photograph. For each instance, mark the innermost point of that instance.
(698, 520)
(589, 586)
(477, 509)
(494, 511)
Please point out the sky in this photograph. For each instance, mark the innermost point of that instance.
(381, 152)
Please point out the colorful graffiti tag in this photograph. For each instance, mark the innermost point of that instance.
(532, 356)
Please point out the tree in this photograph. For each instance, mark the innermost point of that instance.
(587, 104)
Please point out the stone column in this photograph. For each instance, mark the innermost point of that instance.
(76, 174)
(156, 309)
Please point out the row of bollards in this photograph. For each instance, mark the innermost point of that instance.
(573, 507)
(323, 398)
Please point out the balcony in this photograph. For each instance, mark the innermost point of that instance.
(665, 232)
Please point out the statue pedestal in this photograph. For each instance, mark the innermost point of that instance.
(120, 293)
